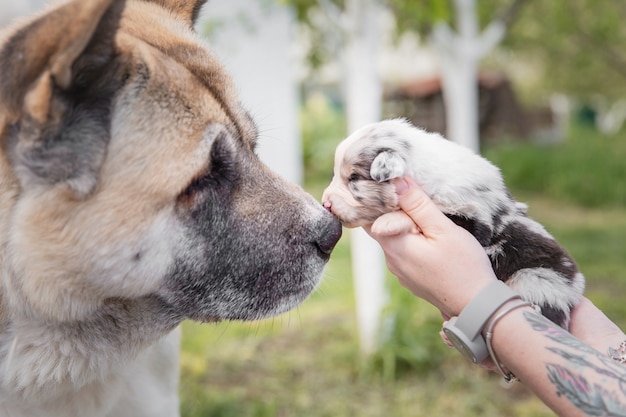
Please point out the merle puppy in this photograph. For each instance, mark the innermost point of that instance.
(469, 190)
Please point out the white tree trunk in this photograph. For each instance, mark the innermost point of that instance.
(460, 94)
(363, 93)
(460, 54)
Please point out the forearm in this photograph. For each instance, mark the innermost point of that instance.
(569, 376)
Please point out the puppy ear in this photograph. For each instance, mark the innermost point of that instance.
(388, 164)
(47, 68)
(188, 10)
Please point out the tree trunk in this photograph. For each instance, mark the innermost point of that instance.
(266, 77)
(460, 54)
(363, 94)
(460, 94)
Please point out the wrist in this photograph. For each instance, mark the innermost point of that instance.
(465, 330)
(507, 309)
(455, 307)
(492, 323)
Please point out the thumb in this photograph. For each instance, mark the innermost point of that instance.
(419, 207)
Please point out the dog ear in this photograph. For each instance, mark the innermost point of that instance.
(40, 57)
(388, 164)
(188, 10)
(45, 65)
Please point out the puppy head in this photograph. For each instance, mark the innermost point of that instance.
(360, 190)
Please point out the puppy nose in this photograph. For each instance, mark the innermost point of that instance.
(326, 199)
(328, 234)
(327, 202)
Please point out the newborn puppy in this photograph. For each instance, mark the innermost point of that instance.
(469, 190)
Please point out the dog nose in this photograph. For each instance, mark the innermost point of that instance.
(328, 234)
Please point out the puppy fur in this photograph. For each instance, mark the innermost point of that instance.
(469, 190)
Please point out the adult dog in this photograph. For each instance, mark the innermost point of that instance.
(131, 199)
(469, 190)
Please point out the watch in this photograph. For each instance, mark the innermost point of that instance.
(465, 331)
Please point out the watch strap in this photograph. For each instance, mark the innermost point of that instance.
(479, 310)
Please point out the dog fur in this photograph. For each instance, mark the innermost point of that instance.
(469, 190)
(131, 198)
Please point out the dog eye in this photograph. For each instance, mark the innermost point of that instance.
(219, 176)
(353, 177)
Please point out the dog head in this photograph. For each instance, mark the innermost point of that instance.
(128, 169)
(365, 161)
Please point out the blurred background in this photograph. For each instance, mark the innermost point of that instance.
(537, 87)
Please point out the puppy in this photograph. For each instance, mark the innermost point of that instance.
(469, 190)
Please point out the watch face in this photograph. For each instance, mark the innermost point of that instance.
(459, 344)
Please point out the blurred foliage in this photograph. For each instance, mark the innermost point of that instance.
(411, 15)
(588, 169)
(323, 126)
(409, 345)
(577, 47)
(579, 44)
(320, 50)
(421, 15)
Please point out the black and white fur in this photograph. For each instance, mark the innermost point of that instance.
(470, 191)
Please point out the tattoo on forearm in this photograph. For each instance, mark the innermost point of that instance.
(580, 360)
(570, 382)
(593, 399)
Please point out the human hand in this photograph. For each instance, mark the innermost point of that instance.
(437, 261)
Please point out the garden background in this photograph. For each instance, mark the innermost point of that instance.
(560, 71)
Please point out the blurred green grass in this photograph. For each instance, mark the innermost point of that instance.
(589, 169)
(306, 363)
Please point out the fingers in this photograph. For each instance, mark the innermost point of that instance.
(445, 338)
(420, 208)
(393, 223)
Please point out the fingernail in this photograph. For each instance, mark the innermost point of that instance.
(401, 186)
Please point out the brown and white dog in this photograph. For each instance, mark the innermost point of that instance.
(469, 190)
(131, 198)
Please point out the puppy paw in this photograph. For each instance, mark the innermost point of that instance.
(387, 165)
(393, 223)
